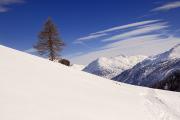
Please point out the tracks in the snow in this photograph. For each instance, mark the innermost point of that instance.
(158, 109)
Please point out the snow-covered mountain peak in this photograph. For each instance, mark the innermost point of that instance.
(110, 67)
(175, 52)
(116, 61)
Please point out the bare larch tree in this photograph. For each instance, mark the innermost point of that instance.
(49, 42)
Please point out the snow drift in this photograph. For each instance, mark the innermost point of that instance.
(32, 88)
(111, 67)
(154, 70)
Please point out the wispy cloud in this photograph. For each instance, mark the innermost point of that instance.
(89, 37)
(126, 26)
(137, 38)
(5, 3)
(140, 31)
(105, 32)
(168, 6)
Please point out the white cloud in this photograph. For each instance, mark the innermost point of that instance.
(102, 33)
(5, 3)
(168, 6)
(126, 26)
(140, 31)
(140, 38)
(80, 40)
(144, 45)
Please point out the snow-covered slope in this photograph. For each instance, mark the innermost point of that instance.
(154, 69)
(111, 67)
(32, 88)
(77, 67)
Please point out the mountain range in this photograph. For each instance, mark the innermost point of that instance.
(160, 71)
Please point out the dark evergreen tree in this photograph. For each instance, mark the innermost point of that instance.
(49, 42)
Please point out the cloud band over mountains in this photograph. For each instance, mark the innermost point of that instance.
(141, 38)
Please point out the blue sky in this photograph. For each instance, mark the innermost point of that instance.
(94, 28)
